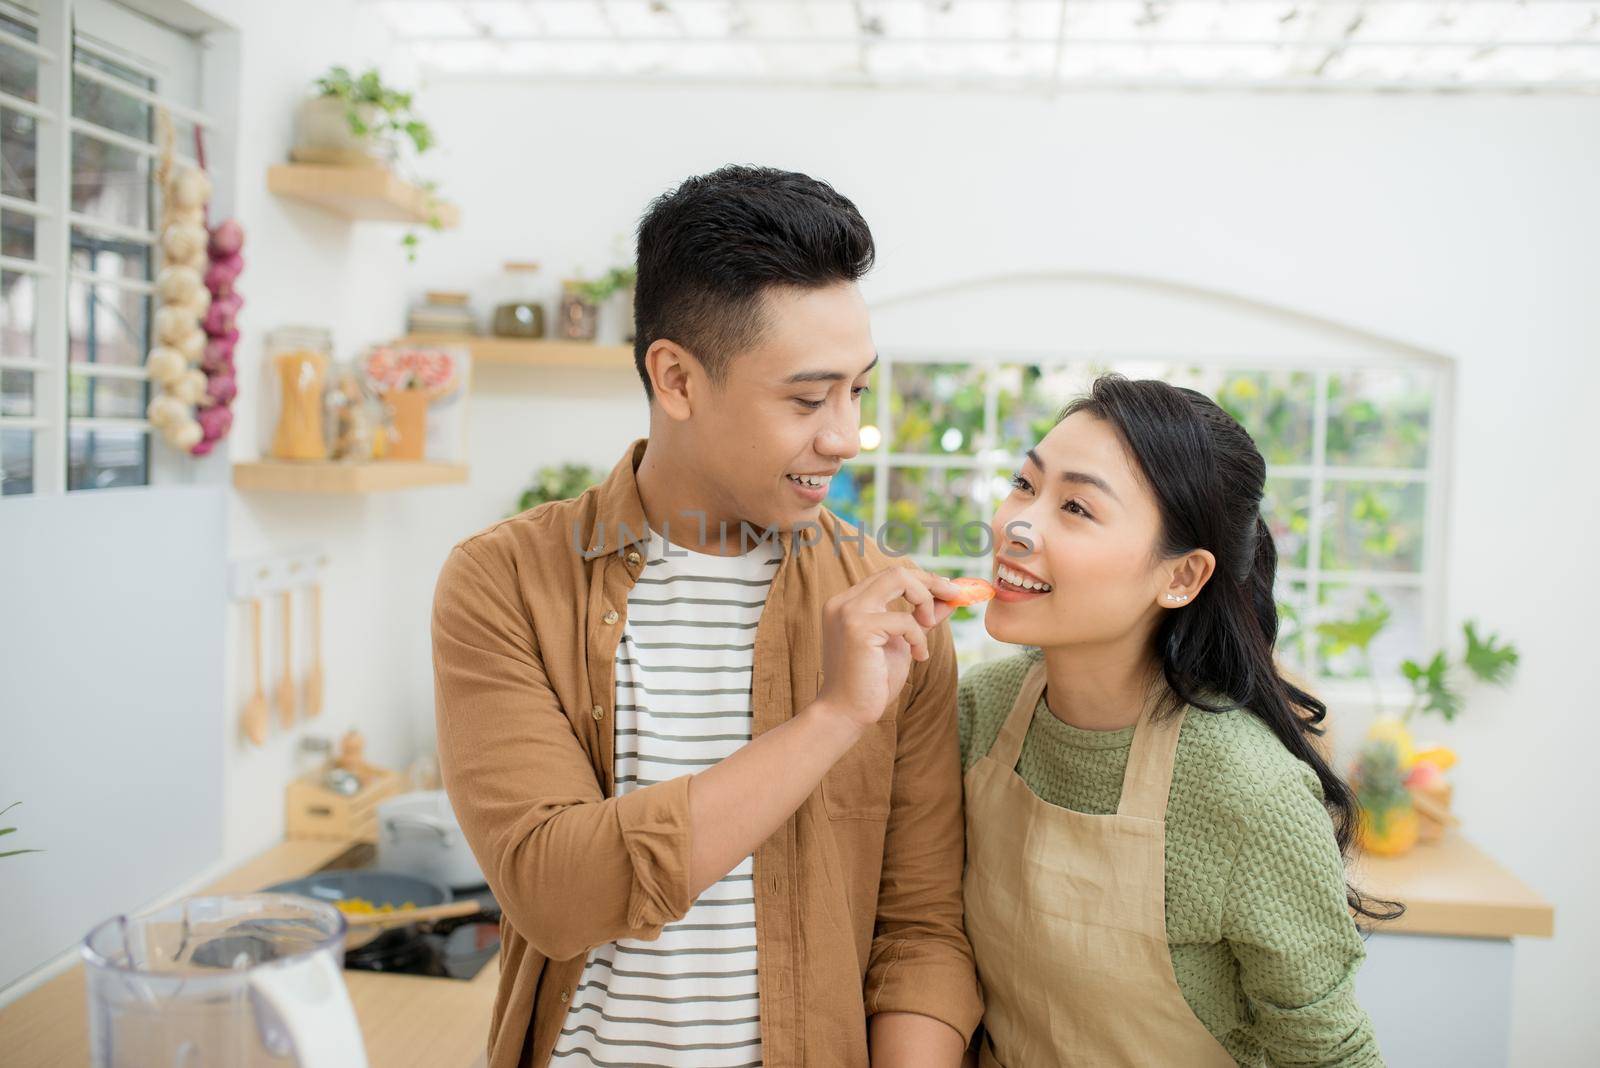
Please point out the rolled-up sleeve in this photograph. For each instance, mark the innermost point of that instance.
(570, 868)
(921, 961)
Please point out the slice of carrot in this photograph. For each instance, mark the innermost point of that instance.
(973, 591)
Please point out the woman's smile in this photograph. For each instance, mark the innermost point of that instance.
(1012, 584)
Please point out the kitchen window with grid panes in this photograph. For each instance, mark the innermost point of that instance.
(78, 236)
(1353, 460)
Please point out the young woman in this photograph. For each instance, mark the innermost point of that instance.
(1154, 849)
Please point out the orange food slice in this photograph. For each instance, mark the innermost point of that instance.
(973, 591)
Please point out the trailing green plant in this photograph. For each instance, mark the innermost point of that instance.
(393, 116)
(12, 830)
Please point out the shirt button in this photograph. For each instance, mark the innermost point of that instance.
(610, 616)
(564, 997)
(597, 712)
(633, 559)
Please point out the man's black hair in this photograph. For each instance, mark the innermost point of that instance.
(709, 248)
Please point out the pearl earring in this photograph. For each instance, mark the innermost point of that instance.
(1180, 598)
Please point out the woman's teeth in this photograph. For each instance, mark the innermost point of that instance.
(813, 481)
(1021, 581)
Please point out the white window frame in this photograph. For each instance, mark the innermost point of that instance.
(140, 46)
(988, 464)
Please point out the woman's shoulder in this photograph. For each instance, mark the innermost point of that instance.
(1244, 766)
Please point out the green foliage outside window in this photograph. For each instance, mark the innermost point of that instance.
(1375, 449)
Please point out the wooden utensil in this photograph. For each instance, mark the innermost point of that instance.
(365, 926)
(255, 711)
(314, 675)
(446, 911)
(286, 684)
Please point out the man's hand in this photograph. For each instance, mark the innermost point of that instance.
(867, 647)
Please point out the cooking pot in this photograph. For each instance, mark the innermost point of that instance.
(418, 834)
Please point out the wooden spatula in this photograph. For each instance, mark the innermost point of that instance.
(365, 926)
(286, 684)
(314, 675)
(254, 720)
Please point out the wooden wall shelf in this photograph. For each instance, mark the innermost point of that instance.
(368, 193)
(540, 353)
(289, 476)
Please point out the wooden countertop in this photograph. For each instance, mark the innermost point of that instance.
(406, 1020)
(1451, 887)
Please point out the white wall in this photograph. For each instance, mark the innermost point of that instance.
(1461, 225)
(111, 668)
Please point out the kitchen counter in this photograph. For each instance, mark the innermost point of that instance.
(1437, 982)
(406, 1021)
(1451, 887)
(1456, 896)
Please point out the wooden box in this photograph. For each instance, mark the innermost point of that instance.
(313, 811)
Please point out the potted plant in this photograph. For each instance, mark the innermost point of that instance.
(355, 120)
(557, 484)
(1436, 688)
(581, 299)
(408, 380)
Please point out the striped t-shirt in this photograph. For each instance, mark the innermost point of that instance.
(683, 703)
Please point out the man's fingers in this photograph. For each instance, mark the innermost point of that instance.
(914, 585)
(892, 624)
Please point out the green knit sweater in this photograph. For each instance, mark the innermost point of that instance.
(1262, 942)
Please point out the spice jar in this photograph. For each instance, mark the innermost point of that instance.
(297, 367)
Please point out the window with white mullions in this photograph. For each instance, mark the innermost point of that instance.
(21, 274)
(78, 214)
(1352, 495)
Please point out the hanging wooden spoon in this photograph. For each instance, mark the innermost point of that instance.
(314, 675)
(286, 683)
(255, 711)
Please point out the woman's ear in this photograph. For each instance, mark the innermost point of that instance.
(671, 367)
(1188, 575)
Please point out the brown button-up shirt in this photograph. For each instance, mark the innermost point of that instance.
(858, 895)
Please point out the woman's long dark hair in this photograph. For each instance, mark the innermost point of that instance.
(1208, 478)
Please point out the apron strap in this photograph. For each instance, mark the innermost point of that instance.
(1148, 779)
(1007, 746)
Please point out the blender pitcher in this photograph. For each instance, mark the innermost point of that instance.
(235, 981)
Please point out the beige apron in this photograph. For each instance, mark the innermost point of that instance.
(1067, 914)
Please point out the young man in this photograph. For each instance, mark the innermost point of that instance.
(713, 779)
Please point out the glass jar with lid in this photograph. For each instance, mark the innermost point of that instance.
(521, 314)
(296, 366)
